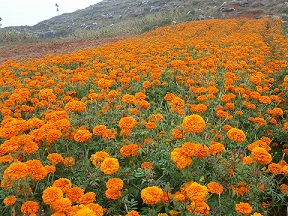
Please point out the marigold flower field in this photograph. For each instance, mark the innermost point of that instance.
(188, 119)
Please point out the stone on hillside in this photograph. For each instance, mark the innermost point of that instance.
(154, 9)
(264, 2)
(227, 9)
(201, 17)
(139, 10)
(244, 3)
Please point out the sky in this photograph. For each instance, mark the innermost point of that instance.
(31, 12)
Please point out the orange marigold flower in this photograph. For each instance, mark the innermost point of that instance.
(284, 188)
(282, 163)
(259, 143)
(140, 96)
(114, 184)
(85, 211)
(96, 208)
(285, 126)
(146, 84)
(243, 208)
(62, 124)
(69, 161)
(276, 112)
(129, 150)
(99, 130)
(55, 158)
(61, 204)
(132, 213)
(247, 160)
(174, 213)
(216, 188)
(194, 123)
(104, 83)
(258, 120)
(198, 108)
(156, 117)
(227, 127)
(177, 102)
(17, 171)
(74, 194)
(256, 214)
(113, 194)
(201, 98)
(179, 197)
(179, 157)
(177, 134)
(275, 168)
(51, 194)
(264, 99)
(222, 114)
(63, 183)
(229, 106)
(35, 123)
(188, 148)
(236, 135)
(151, 195)
(127, 123)
(109, 134)
(261, 156)
(133, 111)
(199, 150)
(128, 99)
(201, 208)
(9, 200)
(265, 139)
(196, 192)
(169, 96)
(30, 147)
(6, 158)
(113, 94)
(50, 169)
(147, 165)
(87, 198)
(29, 207)
(166, 197)
(54, 116)
(215, 148)
(53, 135)
(241, 188)
(151, 125)
(37, 173)
(110, 166)
(285, 169)
(98, 157)
(82, 135)
(238, 112)
(75, 106)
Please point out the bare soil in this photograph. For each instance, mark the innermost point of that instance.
(40, 49)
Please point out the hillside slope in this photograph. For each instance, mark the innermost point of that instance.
(124, 17)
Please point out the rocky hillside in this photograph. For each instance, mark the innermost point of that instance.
(135, 16)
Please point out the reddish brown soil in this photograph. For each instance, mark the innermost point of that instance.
(40, 49)
(241, 12)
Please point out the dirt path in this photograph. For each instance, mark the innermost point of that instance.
(40, 49)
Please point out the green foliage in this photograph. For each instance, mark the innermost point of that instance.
(14, 36)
